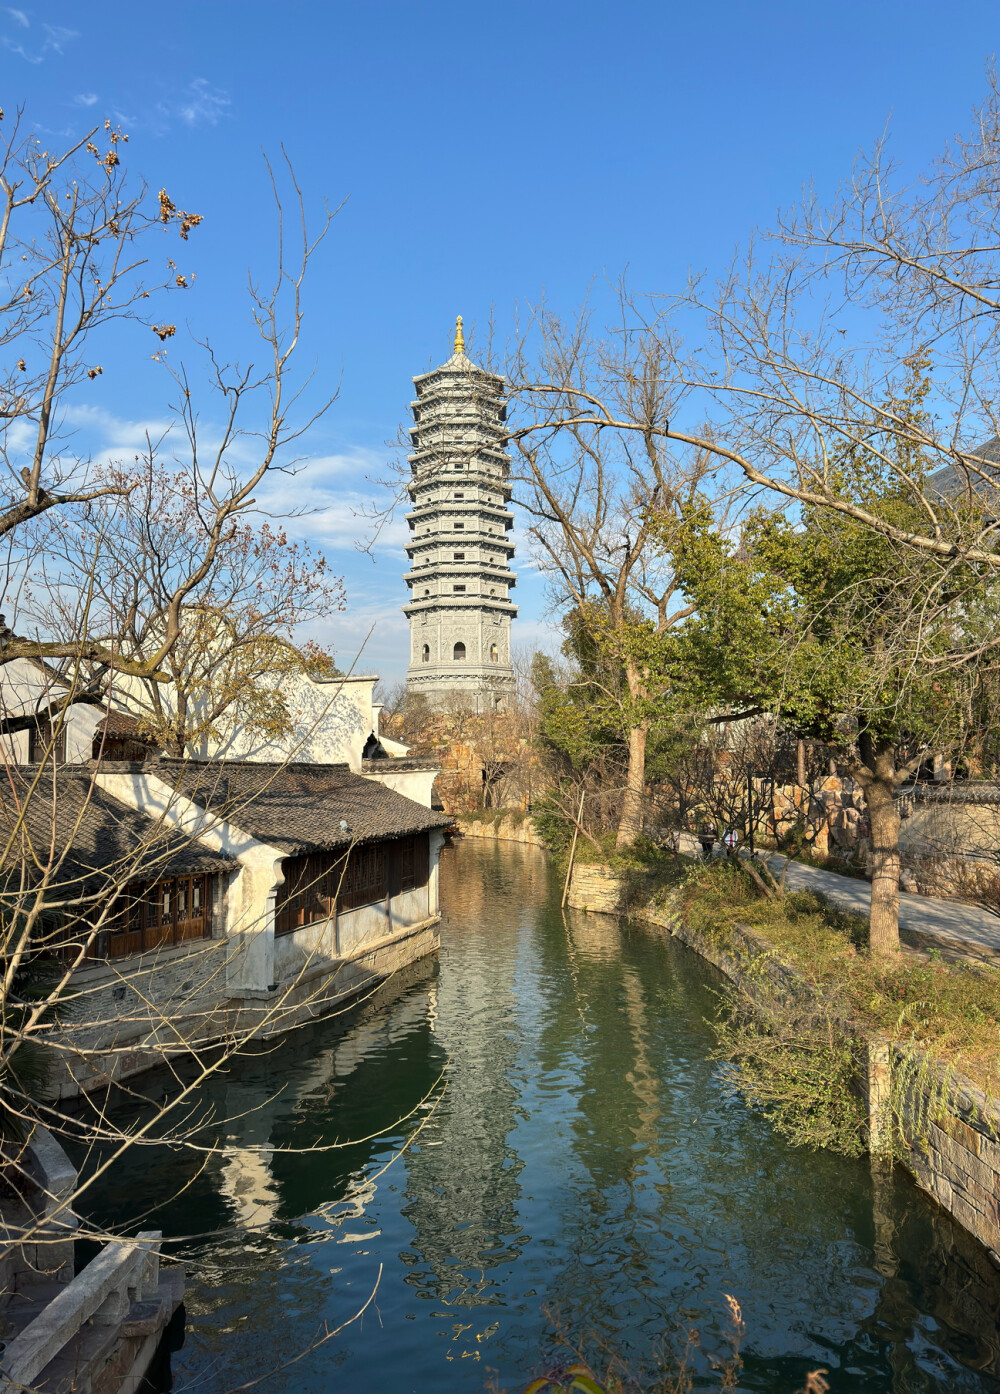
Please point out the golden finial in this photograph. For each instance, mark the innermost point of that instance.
(459, 336)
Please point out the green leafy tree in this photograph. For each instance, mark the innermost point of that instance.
(843, 634)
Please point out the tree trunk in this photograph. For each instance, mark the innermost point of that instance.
(800, 760)
(879, 787)
(630, 823)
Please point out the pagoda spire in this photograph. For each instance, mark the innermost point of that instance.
(459, 336)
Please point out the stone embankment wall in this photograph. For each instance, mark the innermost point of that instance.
(949, 1128)
(596, 888)
(513, 828)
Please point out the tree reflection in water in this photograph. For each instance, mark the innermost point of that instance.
(585, 1159)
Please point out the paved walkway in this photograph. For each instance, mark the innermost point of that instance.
(958, 929)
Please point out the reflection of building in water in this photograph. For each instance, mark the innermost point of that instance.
(258, 1110)
(462, 1186)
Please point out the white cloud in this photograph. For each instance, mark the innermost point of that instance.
(205, 105)
(55, 40)
(370, 636)
(109, 435)
(197, 104)
(57, 36)
(86, 99)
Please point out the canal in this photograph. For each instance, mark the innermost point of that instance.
(584, 1171)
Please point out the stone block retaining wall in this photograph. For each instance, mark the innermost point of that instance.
(596, 888)
(511, 829)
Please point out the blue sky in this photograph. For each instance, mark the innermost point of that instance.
(489, 154)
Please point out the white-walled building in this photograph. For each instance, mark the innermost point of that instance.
(334, 721)
(229, 899)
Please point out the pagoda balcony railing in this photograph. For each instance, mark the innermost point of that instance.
(449, 601)
(462, 508)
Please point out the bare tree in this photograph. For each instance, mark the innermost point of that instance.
(77, 239)
(115, 567)
(147, 558)
(592, 492)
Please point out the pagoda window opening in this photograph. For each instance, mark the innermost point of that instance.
(459, 652)
(460, 588)
(425, 653)
(459, 527)
(494, 654)
(459, 556)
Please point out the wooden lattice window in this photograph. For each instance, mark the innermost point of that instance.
(321, 884)
(412, 862)
(41, 745)
(159, 913)
(365, 879)
(310, 890)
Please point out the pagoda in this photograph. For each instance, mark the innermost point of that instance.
(460, 548)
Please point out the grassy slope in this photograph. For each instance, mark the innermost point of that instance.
(950, 1009)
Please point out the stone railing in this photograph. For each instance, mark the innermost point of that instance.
(65, 1331)
(101, 1295)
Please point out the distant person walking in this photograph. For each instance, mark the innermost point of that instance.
(707, 839)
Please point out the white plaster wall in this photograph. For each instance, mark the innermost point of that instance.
(304, 948)
(364, 925)
(331, 722)
(325, 940)
(248, 912)
(24, 687)
(417, 785)
(81, 723)
(14, 748)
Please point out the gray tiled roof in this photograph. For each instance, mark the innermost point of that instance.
(299, 807)
(977, 791)
(90, 838)
(952, 482)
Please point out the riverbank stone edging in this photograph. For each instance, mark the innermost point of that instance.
(521, 830)
(950, 1129)
(595, 888)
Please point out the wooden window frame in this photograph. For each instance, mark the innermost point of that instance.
(320, 886)
(40, 737)
(152, 917)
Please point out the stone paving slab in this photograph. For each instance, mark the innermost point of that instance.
(955, 927)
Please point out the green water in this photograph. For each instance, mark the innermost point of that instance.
(585, 1170)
